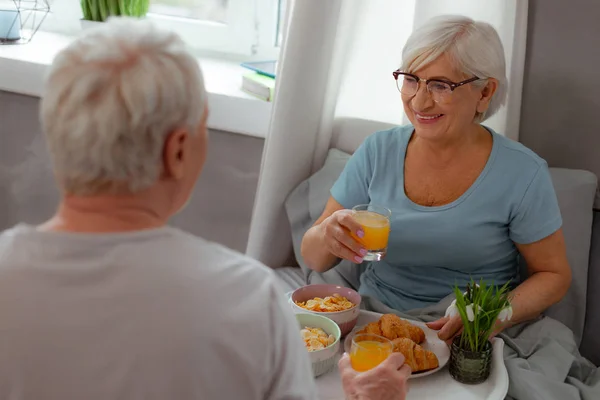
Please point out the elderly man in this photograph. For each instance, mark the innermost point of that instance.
(104, 300)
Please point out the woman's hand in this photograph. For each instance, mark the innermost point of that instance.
(330, 239)
(450, 327)
(387, 381)
(336, 232)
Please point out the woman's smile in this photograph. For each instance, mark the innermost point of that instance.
(427, 118)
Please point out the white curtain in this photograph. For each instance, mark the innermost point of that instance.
(337, 62)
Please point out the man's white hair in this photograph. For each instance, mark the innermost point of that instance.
(111, 99)
(474, 47)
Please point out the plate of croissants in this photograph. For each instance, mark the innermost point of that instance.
(424, 352)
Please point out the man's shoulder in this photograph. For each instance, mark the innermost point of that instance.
(168, 252)
(213, 261)
(215, 254)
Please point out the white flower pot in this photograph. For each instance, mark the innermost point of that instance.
(85, 24)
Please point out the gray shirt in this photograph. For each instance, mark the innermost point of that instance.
(157, 314)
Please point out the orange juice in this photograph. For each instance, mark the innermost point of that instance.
(376, 228)
(368, 354)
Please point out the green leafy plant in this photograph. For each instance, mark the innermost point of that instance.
(100, 10)
(480, 308)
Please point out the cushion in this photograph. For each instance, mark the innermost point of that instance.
(590, 343)
(304, 206)
(576, 190)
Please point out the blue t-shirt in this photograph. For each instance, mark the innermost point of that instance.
(431, 249)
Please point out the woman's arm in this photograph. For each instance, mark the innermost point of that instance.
(329, 240)
(549, 277)
(548, 282)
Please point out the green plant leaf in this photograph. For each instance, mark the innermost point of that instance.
(100, 10)
(103, 9)
(87, 15)
(113, 7)
(94, 10)
(487, 301)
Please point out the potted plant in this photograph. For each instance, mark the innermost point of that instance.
(100, 10)
(480, 308)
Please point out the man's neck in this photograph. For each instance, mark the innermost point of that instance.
(104, 214)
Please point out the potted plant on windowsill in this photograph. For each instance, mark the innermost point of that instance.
(95, 11)
(481, 308)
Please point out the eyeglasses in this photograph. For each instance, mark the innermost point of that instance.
(439, 89)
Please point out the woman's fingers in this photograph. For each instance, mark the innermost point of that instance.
(339, 250)
(448, 328)
(340, 242)
(438, 324)
(344, 238)
(449, 341)
(451, 328)
(346, 220)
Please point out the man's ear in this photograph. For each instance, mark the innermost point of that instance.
(175, 153)
(486, 95)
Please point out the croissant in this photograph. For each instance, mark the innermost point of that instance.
(392, 327)
(417, 358)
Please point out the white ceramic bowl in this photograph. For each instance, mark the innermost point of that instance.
(322, 360)
(346, 319)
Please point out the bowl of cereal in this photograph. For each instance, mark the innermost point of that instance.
(321, 337)
(338, 303)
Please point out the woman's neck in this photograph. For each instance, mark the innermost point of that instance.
(443, 152)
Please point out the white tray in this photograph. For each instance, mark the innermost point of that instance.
(439, 385)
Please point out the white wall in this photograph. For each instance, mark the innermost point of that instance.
(509, 17)
(368, 88)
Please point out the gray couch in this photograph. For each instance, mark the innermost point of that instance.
(576, 191)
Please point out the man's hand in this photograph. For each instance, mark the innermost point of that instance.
(387, 381)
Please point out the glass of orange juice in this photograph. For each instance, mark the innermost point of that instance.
(368, 351)
(375, 221)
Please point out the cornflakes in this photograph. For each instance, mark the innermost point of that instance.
(333, 303)
(316, 338)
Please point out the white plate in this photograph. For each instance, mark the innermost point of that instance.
(431, 343)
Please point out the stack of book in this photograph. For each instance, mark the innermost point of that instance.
(259, 85)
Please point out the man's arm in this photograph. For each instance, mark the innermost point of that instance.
(291, 376)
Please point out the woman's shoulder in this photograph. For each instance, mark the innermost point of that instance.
(515, 153)
(387, 139)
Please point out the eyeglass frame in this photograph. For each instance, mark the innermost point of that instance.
(453, 85)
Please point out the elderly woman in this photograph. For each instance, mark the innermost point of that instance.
(105, 301)
(465, 200)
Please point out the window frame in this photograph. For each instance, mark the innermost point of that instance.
(250, 31)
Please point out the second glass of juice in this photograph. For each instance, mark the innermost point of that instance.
(375, 221)
(368, 351)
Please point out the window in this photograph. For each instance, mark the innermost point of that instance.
(246, 28)
(204, 10)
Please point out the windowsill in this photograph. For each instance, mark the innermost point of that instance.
(23, 69)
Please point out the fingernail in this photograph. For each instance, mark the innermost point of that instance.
(363, 252)
(360, 234)
(358, 259)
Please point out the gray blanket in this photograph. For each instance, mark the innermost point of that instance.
(541, 356)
